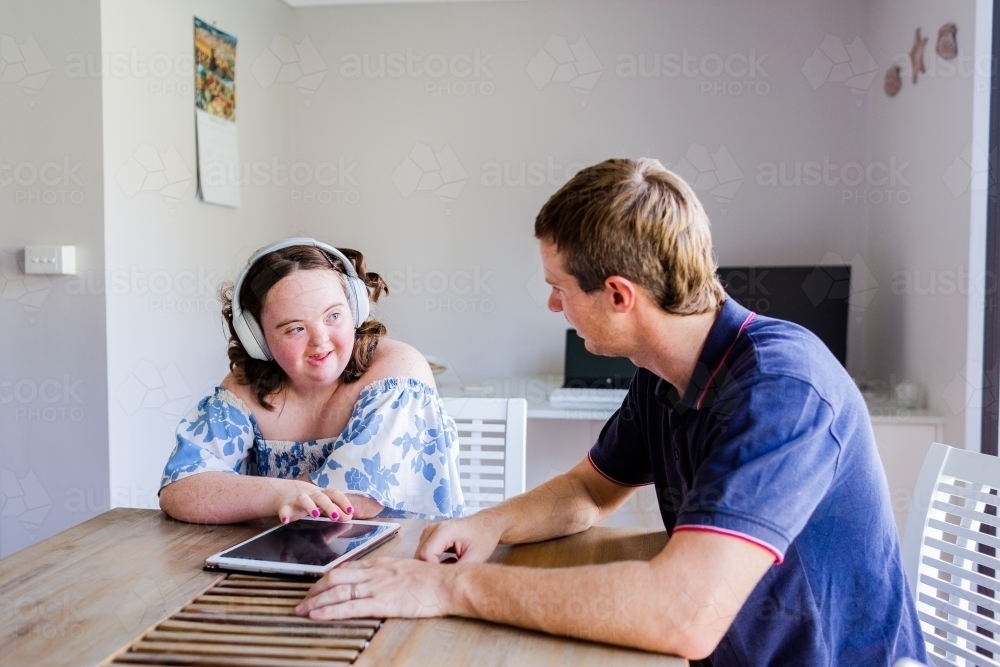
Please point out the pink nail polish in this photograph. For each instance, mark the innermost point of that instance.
(315, 513)
(349, 510)
(284, 519)
(335, 515)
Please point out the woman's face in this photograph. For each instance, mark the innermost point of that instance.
(308, 326)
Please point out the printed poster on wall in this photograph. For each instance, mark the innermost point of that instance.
(215, 115)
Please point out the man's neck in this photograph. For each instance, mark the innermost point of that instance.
(670, 345)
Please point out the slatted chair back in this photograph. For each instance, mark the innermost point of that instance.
(950, 554)
(492, 435)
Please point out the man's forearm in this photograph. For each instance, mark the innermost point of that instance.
(606, 603)
(564, 505)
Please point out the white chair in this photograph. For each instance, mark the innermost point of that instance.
(492, 435)
(950, 555)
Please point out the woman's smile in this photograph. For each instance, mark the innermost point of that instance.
(319, 359)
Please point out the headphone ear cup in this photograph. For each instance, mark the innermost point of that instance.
(251, 336)
(360, 303)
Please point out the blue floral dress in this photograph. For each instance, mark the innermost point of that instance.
(399, 448)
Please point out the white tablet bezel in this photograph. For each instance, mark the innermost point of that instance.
(266, 566)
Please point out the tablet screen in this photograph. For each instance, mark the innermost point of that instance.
(308, 542)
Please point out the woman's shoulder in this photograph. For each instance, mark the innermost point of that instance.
(220, 407)
(396, 359)
(230, 388)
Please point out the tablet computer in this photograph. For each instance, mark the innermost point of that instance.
(307, 547)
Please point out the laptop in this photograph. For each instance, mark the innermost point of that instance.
(591, 379)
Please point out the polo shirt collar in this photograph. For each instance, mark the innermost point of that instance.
(709, 372)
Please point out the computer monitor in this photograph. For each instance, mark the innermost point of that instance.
(584, 369)
(815, 297)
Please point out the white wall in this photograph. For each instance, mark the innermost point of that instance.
(766, 114)
(464, 270)
(53, 403)
(343, 138)
(919, 250)
(166, 258)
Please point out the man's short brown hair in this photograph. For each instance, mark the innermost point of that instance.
(637, 220)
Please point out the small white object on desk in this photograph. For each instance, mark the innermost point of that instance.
(575, 396)
(579, 403)
(584, 411)
(50, 259)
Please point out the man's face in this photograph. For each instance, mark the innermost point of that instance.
(585, 312)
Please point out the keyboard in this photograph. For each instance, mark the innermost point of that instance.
(587, 396)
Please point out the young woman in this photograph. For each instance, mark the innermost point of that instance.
(320, 414)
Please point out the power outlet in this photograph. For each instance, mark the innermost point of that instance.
(50, 259)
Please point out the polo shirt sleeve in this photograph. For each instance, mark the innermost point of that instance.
(769, 464)
(621, 453)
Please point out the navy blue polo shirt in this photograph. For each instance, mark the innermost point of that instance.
(771, 443)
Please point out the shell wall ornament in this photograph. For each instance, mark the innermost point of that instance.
(893, 81)
(947, 47)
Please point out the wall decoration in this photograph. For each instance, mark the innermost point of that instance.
(893, 81)
(215, 115)
(947, 47)
(917, 55)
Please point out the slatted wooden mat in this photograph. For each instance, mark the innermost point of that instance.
(247, 621)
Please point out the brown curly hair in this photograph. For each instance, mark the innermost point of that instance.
(267, 377)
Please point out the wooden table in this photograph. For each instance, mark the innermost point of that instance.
(78, 596)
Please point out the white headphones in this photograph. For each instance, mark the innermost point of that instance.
(248, 329)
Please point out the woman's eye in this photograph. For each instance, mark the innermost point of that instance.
(334, 317)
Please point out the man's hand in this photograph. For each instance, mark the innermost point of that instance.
(381, 588)
(473, 539)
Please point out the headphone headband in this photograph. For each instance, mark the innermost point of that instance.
(247, 328)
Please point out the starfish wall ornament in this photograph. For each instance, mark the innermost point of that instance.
(917, 55)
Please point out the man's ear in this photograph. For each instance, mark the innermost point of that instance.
(624, 293)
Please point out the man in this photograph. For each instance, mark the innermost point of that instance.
(783, 549)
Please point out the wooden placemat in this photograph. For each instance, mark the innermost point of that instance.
(247, 621)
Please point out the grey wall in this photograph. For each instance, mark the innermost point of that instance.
(403, 130)
(928, 281)
(53, 373)
(166, 252)
(516, 114)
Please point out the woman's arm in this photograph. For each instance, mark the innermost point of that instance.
(219, 497)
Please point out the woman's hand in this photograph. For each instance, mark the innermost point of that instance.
(364, 507)
(313, 501)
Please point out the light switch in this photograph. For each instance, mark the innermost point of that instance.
(50, 259)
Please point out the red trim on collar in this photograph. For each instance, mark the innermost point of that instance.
(711, 378)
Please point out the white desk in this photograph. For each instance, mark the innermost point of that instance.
(549, 410)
